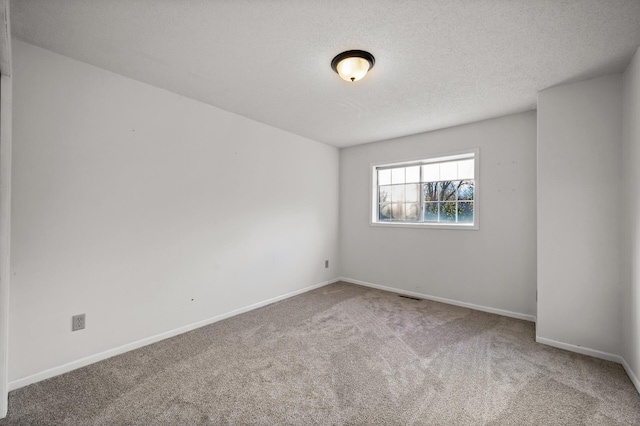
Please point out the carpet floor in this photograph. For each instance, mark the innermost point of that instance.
(341, 354)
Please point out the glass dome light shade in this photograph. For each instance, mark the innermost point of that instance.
(353, 65)
(353, 69)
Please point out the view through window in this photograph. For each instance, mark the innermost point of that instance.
(434, 191)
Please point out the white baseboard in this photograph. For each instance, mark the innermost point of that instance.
(594, 353)
(561, 345)
(631, 374)
(73, 365)
(580, 349)
(502, 312)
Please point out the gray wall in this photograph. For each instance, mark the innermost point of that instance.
(149, 212)
(579, 214)
(631, 251)
(493, 267)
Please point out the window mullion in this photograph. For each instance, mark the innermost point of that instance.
(437, 196)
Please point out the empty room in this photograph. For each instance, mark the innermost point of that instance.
(319, 212)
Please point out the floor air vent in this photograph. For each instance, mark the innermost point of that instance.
(408, 297)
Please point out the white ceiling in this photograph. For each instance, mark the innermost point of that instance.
(439, 63)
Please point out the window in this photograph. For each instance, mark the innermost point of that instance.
(434, 192)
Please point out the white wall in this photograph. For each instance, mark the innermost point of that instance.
(5, 233)
(149, 211)
(494, 267)
(579, 210)
(631, 248)
(6, 100)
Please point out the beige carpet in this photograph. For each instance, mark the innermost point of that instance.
(342, 354)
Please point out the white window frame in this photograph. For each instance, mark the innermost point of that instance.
(435, 158)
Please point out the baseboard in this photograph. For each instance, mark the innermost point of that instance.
(73, 365)
(443, 300)
(566, 346)
(631, 374)
(580, 349)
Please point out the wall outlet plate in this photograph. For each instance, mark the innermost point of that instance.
(78, 322)
(326, 263)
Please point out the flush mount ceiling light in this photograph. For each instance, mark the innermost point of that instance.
(353, 65)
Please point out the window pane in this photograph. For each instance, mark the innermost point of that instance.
(430, 190)
(397, 193)
(431, 212)
(397, 211)
(385, 194)
(431, 172)
(412, 211)
(447, 190)
(433, 190)
(397, 175)
(384, 177)
(449, 171)
(411, 193)
(384, 211)
(466, 169)
(448, 212)
(413, 174)
(466, 190)
(465, 212)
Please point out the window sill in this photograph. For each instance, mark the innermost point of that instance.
(447, 226)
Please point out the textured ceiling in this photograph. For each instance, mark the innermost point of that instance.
(438, 63)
